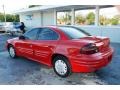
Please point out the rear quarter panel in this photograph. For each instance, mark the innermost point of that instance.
(69, 47)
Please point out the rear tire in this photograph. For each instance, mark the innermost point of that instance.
(12, 51)
(61, 66)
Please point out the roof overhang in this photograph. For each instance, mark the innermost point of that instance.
(60, 8)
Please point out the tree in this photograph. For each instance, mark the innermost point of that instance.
(9, 18)
(90, 18)
(2, 17)
(79, 19)
(115, 20)
(66, 18)
(17, 18)
(104, 20)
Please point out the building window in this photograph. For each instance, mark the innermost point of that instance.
(64, 18)
(29, 17)
(85, 17)
(109, 16)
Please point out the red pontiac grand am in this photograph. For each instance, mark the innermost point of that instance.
(65, 48)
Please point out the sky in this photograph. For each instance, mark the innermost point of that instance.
(13, 5)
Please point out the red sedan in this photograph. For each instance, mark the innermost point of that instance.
(65, 48)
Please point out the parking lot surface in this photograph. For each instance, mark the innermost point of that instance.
(24, 71)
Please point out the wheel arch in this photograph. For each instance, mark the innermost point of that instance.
(57, 54)
(8, 46)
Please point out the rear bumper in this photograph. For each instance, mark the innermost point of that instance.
(91, 63)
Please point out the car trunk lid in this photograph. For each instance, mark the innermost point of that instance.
(101, 42)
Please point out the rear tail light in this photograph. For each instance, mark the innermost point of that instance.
(89, 49)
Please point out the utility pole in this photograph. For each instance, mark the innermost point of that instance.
(4, 14)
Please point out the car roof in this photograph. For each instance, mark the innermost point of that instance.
(69, 26)
(57, 28)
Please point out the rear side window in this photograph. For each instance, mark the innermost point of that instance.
(73, 33)
(48, 34)
(32, 34)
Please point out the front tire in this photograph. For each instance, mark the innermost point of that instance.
(61, 66)
(12, 52)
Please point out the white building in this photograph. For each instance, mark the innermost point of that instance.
(47, 15)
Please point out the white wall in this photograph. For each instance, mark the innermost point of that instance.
(34, 22)
(113, 32)
(48, 18)
(39, 19)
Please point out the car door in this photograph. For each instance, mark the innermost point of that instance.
(45, 45)
(25, 47)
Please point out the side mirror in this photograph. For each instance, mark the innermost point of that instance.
(22, 37)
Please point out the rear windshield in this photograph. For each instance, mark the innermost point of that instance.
(74, 33)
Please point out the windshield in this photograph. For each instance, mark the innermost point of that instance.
(74, 33)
